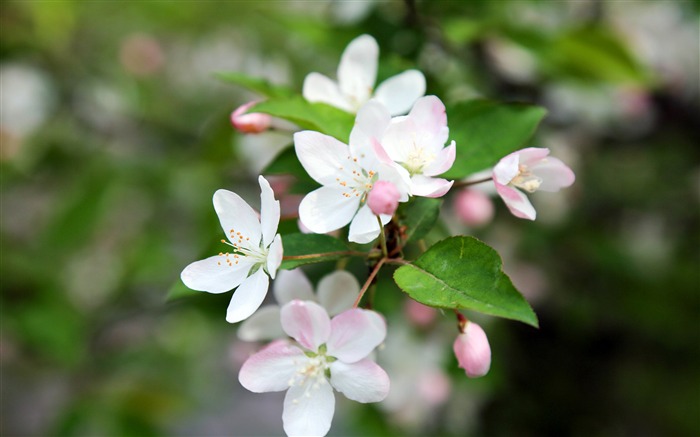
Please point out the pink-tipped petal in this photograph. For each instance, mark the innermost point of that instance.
(308, 409)
(355, 333)
(319, 88)
(269, 211)
(473, 351)
(357, 70)
(429, 187)
(364, 226)
(248, 297)
(274, 256)
(531, 155)
(363, 381)
(264, 324)
(215, 275)
(236, 215)
(429, 116)
(517, 202)
(443, 162)
(253, 123)
(399, 93)
(272, 368)
(306, 322)
(506, 169)
(554, 174)
(292, 284)
(326, 209)
(338, 291)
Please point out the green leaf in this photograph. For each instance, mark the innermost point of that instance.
(255, 84)
(419, 216)
(179, 290)
(463, 272)
(486, 131)
(327, 247)
(287, 163)
(314, 116)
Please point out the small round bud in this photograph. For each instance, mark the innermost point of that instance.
(474, 208)
(419, 314)
(384, 198)
(473, 351)
(253, 123)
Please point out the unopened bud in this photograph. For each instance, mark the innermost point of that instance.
(419, 314)
(384, 198)
(473, 351)
(253, 123)
(473, 207)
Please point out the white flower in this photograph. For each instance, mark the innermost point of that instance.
(415, 144)
(328, 354)
(255, 254)
(347, 174)
(337, 292)
(357, 73)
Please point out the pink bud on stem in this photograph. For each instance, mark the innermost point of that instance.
(253, 123)
(473, 207)
(384, 198)
(472, 348)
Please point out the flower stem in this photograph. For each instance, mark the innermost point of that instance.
(321, 255)
(468, 183)
(382, 238)
(369, 280)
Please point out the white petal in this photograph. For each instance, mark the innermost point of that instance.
(554, 173)
(357, 70)
(292, 284)
(530, 156)
(326, 209)
(306, 322)
(323, 157)
(308, 409)
(272, 368)
(319, 88)
(517, 202)
(274, 256)
(214, 275)
(248, 297)
(506, 169)
(355, 333)
(399, 138)
(399, 93)
(443, 162)
(430, 119)
(264, 324)
(429, 187)
(363, 381)
(372, 120)
(337, 291)
(365, 227)
(269, 211)
(237, 216)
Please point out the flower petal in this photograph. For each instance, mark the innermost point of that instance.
(371, 122)
(326, 209)
(363, 381)
(274, 256)
(235, 215)
(214, 275)
(506, 169)
(365, 227)
(355, 333)
(429, 187)
(264, 324)
(429, 116)
(248, 297)
(554, 174)
(306, 322)
(319, 88)
(338, 291)
(399, 93)
(517, 202)
(532, 155)
(308, 409)
(272, 368)
(269, 211)
(292, 284)
(323, 157)
(443, 162)
(357, 70)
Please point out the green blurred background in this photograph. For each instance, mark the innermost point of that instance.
(115, 134)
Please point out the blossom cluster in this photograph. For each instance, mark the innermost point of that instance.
(397, 150)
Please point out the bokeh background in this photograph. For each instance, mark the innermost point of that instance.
(115, 134)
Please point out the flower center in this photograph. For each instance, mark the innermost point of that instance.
(360, 181)
(312, 372)
(242, 248)
(526, 180)
(417, 160)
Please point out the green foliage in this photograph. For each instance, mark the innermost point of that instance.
(419, 216)
(486, 131)
(463, 272)
(260, 86)
(299, 245)
(287, 163)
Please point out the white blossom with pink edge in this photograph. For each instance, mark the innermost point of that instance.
(473, 351)
(357, 74)
(415, 146)
(531, 170)
(254, 257)
(347, 173)
(328, 354)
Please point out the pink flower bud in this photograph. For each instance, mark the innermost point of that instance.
(384, 198)
(434, 387)
(419, 314)
(253, 123)
(474, 207)
(473, 351)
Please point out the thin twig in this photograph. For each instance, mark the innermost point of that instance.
(321, 255)
(468, 183)
(369, 280)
